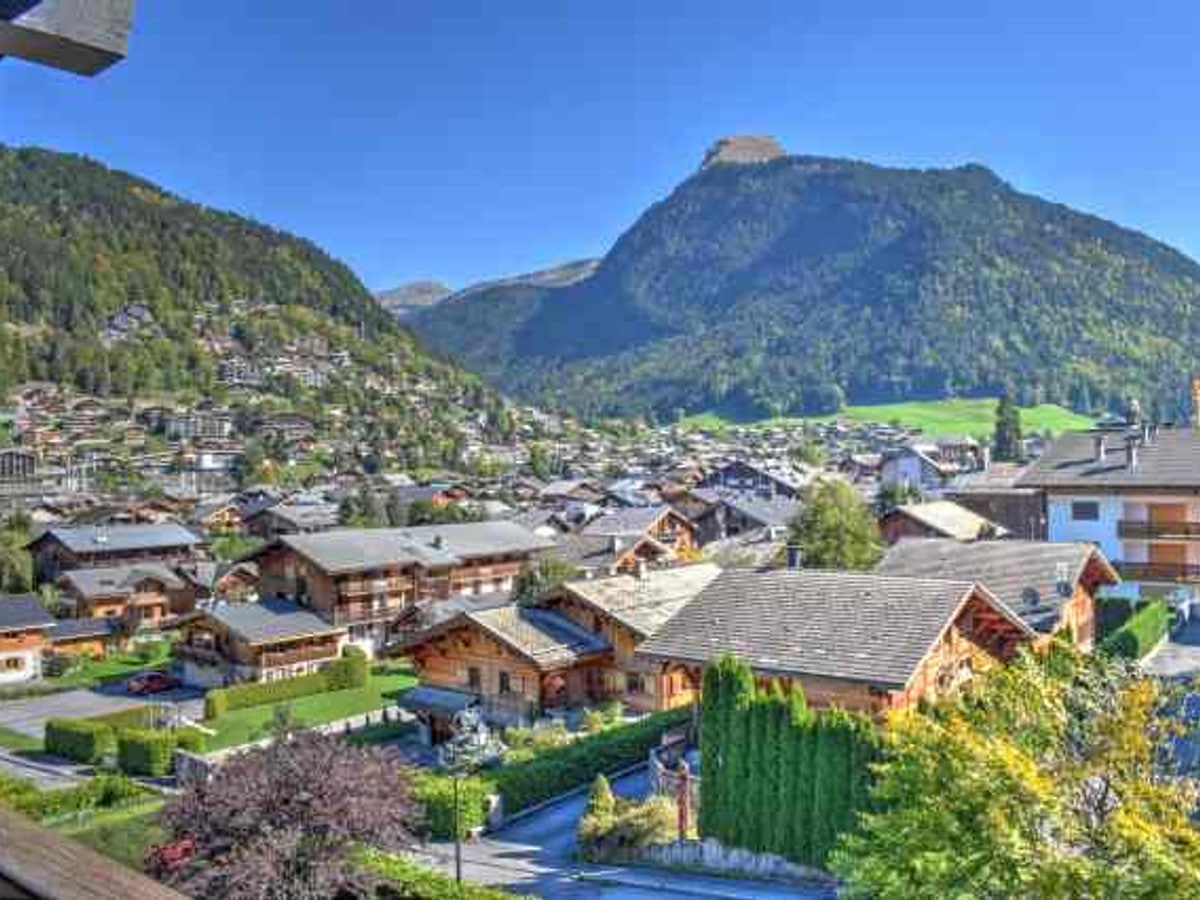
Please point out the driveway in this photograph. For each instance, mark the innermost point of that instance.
(29, 716)
(1179, 657)
(535, 855)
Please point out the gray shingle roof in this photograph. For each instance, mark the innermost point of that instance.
(120, 538)
(631, 521)
(356, 549)
(271, 620)
(120, 581)
(951, 520)
(1170, 460)
(855, 626)
(305, 515)
(546, 638)
(76, 629)
(645, 604)
(21, 611)
(1023, 574)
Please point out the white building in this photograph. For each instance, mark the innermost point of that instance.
(1135, 494)
(24, 629)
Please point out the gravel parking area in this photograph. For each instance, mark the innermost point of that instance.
(29, 716)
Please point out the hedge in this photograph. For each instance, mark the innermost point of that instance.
(436, 794)
(342, 674)
(777, 777)
(143, 751)
(564, 768)
(404, 879)
(80, 740)
(102, 792)
(1141, 633)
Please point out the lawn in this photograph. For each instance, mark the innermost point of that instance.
(935, 418)
(15, 740)
(125, 835)
(242, 726)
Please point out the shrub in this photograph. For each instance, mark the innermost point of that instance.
(601, 801)
(436, 794)
(593, 721)
(261, 693)
(630, 826)
(102, 792)
(142, 751)
(80, 740)
(191, 740)
(404, 879)
(560, 769)
(1141, 632)
(348, 672)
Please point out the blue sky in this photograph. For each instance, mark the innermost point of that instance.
(463, 140)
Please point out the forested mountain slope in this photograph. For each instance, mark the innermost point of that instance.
(791, 285)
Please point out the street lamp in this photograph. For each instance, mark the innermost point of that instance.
(469, 741)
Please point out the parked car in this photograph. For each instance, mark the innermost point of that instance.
(151, 683)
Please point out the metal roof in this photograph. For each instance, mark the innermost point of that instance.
(1170, 459)
(22, 611)
(121, 538)
(120, 581)
(644, 604)
(271, 620)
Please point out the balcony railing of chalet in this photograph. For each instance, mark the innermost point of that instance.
(204, 655)
(270, 659)
(1156, 530)
(1151, 571)
(351, 613)
(369, 586)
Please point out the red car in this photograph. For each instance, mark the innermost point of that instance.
(151, 683)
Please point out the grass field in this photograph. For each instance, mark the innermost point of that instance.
(935, 418)
(242, 726)
(15, 740)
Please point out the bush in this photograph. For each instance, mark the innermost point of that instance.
(1141, 632)
(191, 740)
(436, 794)
(630, 826)
(142, 751)
(348, 672)
(262, 693)
(80, 740)
(563, 768)
(404, 879)
(102, 792)
(593, 721)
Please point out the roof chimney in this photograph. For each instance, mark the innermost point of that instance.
(795, 556)
(1101, 451)
(1131, 452)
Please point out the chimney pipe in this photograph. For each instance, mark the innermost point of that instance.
(1131, 453)
(795, 556)
(1101, 451)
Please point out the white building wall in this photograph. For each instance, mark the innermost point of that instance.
(30, 670)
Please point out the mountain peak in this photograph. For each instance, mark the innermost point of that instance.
(742, 149)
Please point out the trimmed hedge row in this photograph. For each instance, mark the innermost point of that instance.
(561, 769)
(80, 740)
(436, 794)
(101, 792)
(1141, 632)
(342, 674)
(404, 879)
(143, 751)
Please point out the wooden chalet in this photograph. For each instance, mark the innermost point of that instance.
(859, 641)
(1051, 586)
(65, 547)
(938, 519)
(25, 628)
(145, 595)
(263, 641)
(660, 524)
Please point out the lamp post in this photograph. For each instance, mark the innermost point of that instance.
(469, 739)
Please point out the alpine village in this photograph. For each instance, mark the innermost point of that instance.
(749, 560)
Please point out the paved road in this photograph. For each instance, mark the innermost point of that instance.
(29, 716)
(1180, 656)
(535, 855)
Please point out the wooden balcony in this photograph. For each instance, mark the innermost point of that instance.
(206, 656)
(360, 613)
(1158, 531)
(1164, 572)
(271, 659)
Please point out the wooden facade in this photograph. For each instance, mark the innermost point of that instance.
(212, 653)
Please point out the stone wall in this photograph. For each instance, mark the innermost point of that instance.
(710, 855)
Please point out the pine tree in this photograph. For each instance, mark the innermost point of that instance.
(1006, 440)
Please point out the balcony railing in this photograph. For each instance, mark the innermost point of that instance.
(1152, 571)
(203, 655)
(1150, 531)
(271, 659)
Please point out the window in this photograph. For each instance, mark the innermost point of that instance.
(635, 683)
(14, 663)
(1085, 511)
(505, 683)
(475, 678)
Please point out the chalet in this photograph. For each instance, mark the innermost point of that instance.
(741, 476)
(937, 519)
(223, 581)
(287, 427)
(366, 579)
(1051, 586)
(994, 494)
(89, 546)
(626, 610)
(658, 523)
(25, 627)
(1136, 493)
(91, 638)
(597, 554)
(512, 660)
(262, 641)
(859, 641)
(292, 518)
(144, 595)
(730, 514)
(915, 467)
(566, 491)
